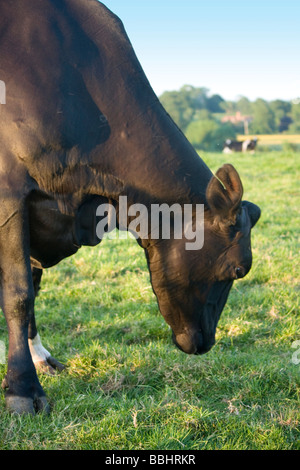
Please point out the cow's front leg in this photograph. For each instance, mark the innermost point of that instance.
(24, 393)
(41, 357)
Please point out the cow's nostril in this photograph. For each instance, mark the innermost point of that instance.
(239, 272)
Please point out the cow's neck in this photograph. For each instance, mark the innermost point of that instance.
(145, 150)
(157, 165)
(151, 156)
(157, 162)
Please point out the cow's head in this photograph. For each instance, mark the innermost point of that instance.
(192, 286)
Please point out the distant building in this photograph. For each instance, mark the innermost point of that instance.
(237, 119)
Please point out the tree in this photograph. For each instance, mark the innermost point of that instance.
(263, 118)
(281, 107)
(196, 97)
(244, 106)
(294, 128)
(184, 105)
(178, 106)
(285, 123)
(214, 104)
(230, 107)
(193, 104)
(281, 111)
(209, 134)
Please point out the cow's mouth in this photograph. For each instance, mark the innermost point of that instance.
(191, 342)
(201, 340)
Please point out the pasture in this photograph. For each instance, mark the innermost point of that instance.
(126, 386)
(285, 142)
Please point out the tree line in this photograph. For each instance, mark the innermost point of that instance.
(208, 120)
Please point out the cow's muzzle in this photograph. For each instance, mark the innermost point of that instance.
(192, 342)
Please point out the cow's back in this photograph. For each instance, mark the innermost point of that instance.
(44, 52)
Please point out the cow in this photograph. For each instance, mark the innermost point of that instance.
(82, 127)
(231, 146)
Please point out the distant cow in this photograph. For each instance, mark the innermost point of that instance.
(82, 127)
(231, 146)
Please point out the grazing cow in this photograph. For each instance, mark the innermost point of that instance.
(81, 127)
(231, 146)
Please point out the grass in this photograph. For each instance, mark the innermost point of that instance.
(127, 387)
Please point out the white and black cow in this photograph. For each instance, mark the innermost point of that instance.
(231, 146)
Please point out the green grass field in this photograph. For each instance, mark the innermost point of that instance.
(127, 387)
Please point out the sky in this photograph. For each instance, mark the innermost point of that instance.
(232, 47)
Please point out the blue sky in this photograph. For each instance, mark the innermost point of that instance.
(232, 47)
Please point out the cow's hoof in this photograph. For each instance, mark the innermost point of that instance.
(49, 366)
(24, 405)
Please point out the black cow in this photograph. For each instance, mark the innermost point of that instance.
(239, 146)
(81, 126)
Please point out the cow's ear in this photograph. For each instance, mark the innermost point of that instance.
(224, 194)
(253, 211)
